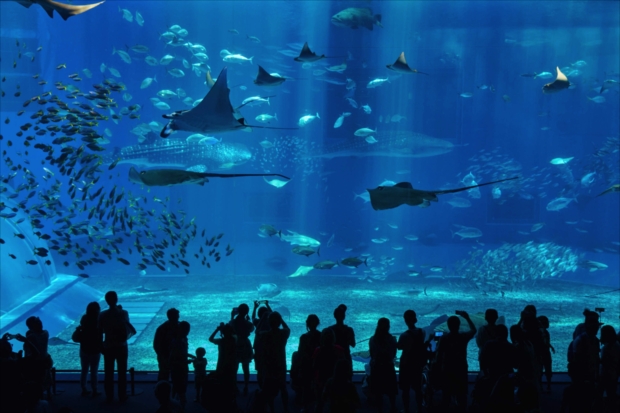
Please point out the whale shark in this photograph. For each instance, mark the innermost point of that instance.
(391, 144)
(181, 154)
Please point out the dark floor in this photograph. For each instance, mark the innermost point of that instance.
(68, 394)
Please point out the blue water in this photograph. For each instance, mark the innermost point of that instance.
(508, 127)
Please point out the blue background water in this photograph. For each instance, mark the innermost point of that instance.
(462, 45)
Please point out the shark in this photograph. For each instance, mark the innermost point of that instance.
(389, 197)
(401, 66)
(181, 154)
(64, 10)
(392, 144)
(173, 177)
(214, 114)
(263, 78)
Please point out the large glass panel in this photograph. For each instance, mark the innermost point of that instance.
(82, 103)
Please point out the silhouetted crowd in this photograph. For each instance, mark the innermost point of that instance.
(511, 378)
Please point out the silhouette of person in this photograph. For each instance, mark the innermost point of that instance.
(487, 332)
(308, 343)
(200, 370)
(91, 345)
(382, 371)
(226, 368)
(274, 359)
(548, 348)
(340, 394)
(11, 377)
(610, 364)
(162, 340)
(37, 361)
(324, 362)
(243, 328)
(113, 322)
(345, 336)
(412, 360)
(498, 356)
(179, 360)
(452, 357)
(261, 323)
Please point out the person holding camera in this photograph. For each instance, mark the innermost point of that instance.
(240, 321)
(226, 367)
(452, 358)
(37, 361)
(274, 359)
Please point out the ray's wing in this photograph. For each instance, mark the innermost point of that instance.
(65, 10)
(451, 191)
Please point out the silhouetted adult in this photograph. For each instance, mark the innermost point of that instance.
(340, 395)
(91, 345)
(497, 357)
(114, 322)
(308, 343)
(179, 362)
(412, 360)
(11, 380)
(243, 328)
(261, 324)
(37, 362)
(345, 336)
(382, 371)
(162, 340)
(274, 360)
(324, 362)
(495, 390)
(547, 361)
(581, 327)
(487, 332)
(226, 367)
(610, 364)
(452, 357)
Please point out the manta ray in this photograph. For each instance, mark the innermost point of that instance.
(171, 177)
(561, 82)
(65, 10)
(401, 66)
(263, 78)
(214, 114)
(388, 197)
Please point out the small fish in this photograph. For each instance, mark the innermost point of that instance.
(61, 66)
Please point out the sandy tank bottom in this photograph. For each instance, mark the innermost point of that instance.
(205, 301)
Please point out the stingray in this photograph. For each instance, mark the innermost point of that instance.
(171, 177)
(388, 197)
(263, 78)
(214, 114)
(401, 66)
(613, 188)
(560, 83)
(308, 56)
(65, 10)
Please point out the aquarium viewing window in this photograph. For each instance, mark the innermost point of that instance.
(393, 155)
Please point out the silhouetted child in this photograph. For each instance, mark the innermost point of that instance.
(200, 370)
(548, 348)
